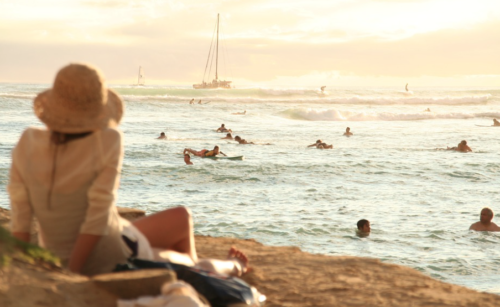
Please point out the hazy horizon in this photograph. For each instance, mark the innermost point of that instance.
(266, 43)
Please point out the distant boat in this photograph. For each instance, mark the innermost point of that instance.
(141, 80)
(216, 83)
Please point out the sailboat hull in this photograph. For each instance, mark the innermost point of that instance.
(215, 84)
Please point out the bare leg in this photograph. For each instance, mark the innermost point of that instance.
(171, 229)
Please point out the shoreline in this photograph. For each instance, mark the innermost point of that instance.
(286, 275)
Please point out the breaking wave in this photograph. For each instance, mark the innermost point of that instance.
(338, 115)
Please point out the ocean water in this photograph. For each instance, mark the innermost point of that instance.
(419, 198)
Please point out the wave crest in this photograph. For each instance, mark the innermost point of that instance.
(337, 115)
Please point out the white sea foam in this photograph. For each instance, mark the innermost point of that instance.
(311, 114)
(14, 95)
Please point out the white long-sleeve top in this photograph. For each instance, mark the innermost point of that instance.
(71, 189)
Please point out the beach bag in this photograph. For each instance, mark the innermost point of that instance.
(219, 290)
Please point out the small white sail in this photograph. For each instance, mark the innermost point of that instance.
(141, 79)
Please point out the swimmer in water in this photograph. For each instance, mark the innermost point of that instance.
(364, 228)
(496, 123)
(461, 147)
(192, 101)
(223, 128)
(347, 131)
(242, 141)
(199, 101)
(162, 136)
(227, 137)
(187, 159)
(204, 152)
(485, 223)
(427, 110)
(323, 88)
(320, 145)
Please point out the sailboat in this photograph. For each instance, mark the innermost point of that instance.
(216, 83)
(141, 80)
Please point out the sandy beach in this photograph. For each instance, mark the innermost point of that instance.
(286, 275)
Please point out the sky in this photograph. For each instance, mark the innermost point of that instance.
(263, 42)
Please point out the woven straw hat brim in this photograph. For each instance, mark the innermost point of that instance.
(66, 120)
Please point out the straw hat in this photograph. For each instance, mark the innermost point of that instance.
(78, 102)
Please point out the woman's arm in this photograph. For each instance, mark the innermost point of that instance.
(83, 247)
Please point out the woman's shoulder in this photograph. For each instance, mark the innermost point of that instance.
(111, 135)
(34, 134)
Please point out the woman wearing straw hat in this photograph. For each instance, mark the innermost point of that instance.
(67, 176)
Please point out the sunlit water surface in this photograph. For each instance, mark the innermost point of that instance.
(420, 200)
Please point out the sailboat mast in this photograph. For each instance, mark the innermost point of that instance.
(217, 51)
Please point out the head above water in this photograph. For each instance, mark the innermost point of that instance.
(162, 134)
(464, 142)
(216, 149)
(318, 141)
(229, 135)
(486, 215)
(237, 138)
(347, 129)
(364, 226)
(222, 125)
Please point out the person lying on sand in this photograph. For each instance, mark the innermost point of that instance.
(461, 147)
(240, 113)
(162, 136)
(242, 141)
(223, 128)
(347, 132)
(187, 159)
(204, 152)
(496, 122)
(485, 223)
(320, 145)
(363, 228)
(228, 136)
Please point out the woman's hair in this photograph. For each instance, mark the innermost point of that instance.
(59, 138)
(229, 134)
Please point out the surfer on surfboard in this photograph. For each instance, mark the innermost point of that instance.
(204, 152)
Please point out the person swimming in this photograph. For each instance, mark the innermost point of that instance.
(461, 147)
(192, 101)
(204, 152)
(323, 88)
(162, 136)
(347, 131)
(364, 228)
(485, 223)
(223, 128)
(199, 101)
(242, 141)
(427, 110)
(320, 145)
(227, 137)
